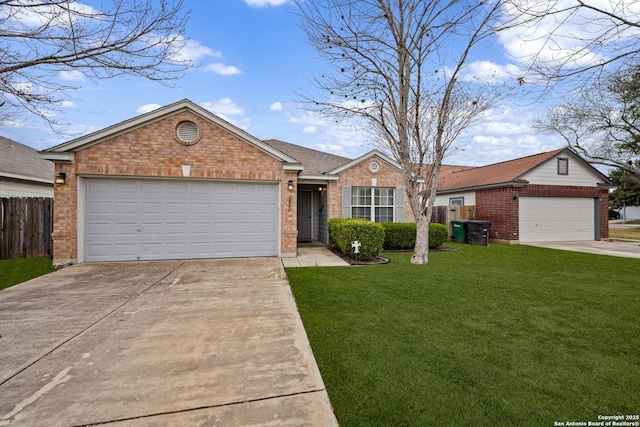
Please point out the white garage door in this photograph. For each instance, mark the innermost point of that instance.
(556, 219)
(128, 219)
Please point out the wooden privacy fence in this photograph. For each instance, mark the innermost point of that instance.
(26, 227)
(446, 214)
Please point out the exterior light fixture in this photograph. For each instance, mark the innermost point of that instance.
(60, 178)
(290, 185)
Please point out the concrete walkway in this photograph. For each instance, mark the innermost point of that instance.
(189, 343)
(314, 256)
(601, 247)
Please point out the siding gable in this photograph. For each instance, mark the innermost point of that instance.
(547, 174)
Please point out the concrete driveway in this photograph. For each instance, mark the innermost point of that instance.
(213, 342)
(601, 247)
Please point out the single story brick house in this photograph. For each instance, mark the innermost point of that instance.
(179, 182)
(552, 196)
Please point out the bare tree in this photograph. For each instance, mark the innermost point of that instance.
(46, 44)
(398, 66)
(578, 39)
(603, 123)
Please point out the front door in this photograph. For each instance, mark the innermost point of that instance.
(304, 215)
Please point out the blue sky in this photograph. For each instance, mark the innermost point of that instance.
(252, 59)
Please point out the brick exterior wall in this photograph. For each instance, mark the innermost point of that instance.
(154, 151)
(499, 206)
(360, 176)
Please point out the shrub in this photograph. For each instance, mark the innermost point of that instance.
(438, 235)
(399, 235)
(343, 231)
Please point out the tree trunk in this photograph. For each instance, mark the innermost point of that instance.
(421, 250)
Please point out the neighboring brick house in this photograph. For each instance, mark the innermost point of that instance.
(552, 196)
(179, 182)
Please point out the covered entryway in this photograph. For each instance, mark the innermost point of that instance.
(154, 219)
(312, 213)
(557, 219)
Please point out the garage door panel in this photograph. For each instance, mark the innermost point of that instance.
(556, 219)
(150, 207)
(125, 208)
(130, 219)
(123, 251)
(125, 186)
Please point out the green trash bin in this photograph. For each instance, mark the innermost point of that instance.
(459, 231)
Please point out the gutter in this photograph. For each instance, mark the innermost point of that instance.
(516, 184)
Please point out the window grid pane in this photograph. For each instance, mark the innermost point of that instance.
(361, 212)
(384, 214)
(360, 196)
(366, 201)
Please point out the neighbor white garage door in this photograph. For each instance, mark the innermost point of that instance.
(130, 219)
(556, 219)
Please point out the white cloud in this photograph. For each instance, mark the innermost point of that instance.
(147, 108)
(490, 72)
(564, 37)
(222, 69)
(342, 138)
(309, 118)
(45, 14)
(193, 51)
(263, 3)
(73, 75)
(69, 104)
(243, 123)
(504, 134)
(223, 107)
(276, 106)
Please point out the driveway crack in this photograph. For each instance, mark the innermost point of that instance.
(221, 405)
(82, 331)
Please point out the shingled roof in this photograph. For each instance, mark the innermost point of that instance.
(19, 161)
(458, 177)
(315, 162)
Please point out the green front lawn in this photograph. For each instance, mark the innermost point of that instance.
(14, 271)
(485, 336)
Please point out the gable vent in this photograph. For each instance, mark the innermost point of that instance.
(187, 132)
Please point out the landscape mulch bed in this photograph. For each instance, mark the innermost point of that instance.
(382, 260)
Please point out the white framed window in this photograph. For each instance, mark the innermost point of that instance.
(373, 203)
(456, 201)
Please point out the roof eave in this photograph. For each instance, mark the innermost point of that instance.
(27, 178)
(57, 157)
(606, 186)
(317, 178)
(518, 184)
(293, 167)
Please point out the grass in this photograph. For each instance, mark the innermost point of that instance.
(631, 233)
(14, 271)
(485, 336)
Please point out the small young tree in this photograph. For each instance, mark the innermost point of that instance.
(398, 66)
(46, 44)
